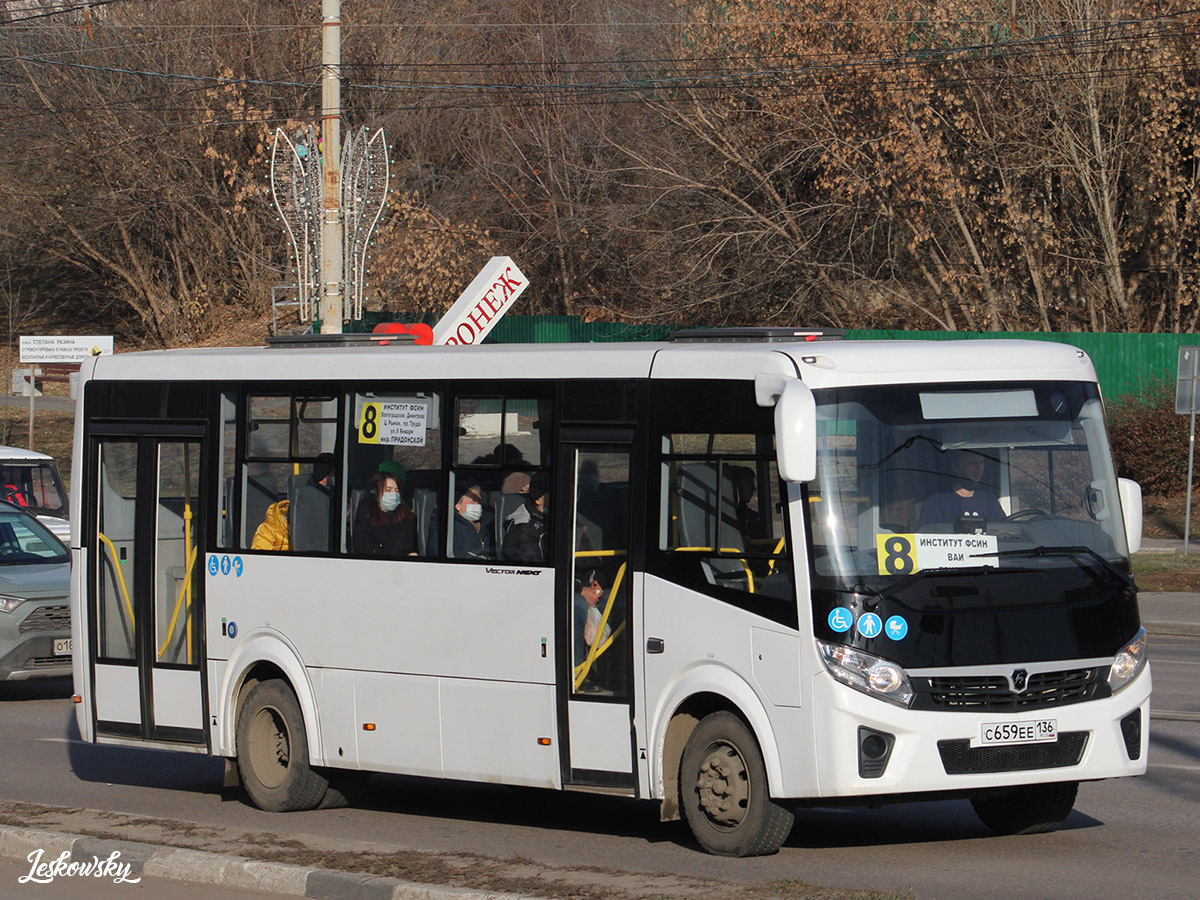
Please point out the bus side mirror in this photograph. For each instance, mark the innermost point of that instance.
(1130, 493)
(796, 432)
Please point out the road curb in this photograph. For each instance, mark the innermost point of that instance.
(235, 872)
(1172, 629)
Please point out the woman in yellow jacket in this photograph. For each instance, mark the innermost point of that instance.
(272, 534)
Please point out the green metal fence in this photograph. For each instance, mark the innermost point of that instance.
(1125, 363)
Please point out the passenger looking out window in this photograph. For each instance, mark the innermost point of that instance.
(472, 528)
(385, 525)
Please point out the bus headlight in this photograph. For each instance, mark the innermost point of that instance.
(867, 673)
(1128, 662)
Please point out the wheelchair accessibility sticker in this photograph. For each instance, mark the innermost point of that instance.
(841, 619)
(225, 565)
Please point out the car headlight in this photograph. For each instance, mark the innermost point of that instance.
(1128, 662)
(9, 603)
(867, 673)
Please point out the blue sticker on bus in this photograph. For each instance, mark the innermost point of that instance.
(214, 565)
(231, 629)
(869, 625)
(237, 566)
(841, 619)
(896, 627)
(226, 565)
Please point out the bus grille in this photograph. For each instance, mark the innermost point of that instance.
(973, 693)
(48, 618)
(960, 758)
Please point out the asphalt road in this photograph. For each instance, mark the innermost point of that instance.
(1125, 838)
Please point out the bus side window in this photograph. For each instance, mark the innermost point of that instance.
(290, 472)
(723, 524)
(392, 437)
(500, 445)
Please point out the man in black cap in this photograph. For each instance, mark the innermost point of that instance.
(525, 539)
(311, 504)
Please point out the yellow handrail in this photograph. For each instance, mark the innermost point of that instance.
(185, 588)
(774, 553)
(594, 651)
(189, 553)
(120, 577)
(742, 560)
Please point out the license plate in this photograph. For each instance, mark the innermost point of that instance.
(1038, 731)
(62, 646)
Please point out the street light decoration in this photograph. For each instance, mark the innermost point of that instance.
(297, 189)
(364, 182)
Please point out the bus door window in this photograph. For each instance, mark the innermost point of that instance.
(395, 439)
(115, 573)
(601, 583)
(176, 551)
(227, 466)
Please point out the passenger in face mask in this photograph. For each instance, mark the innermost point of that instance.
(473, 533)
(384, 525)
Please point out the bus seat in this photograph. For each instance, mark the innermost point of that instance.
(308, 515)
(696, 487)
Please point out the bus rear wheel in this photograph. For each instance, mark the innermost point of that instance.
(1032, 809)
(272, 751)
(723, 783)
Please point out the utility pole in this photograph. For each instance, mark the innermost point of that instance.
(332, 264)
(330, 196)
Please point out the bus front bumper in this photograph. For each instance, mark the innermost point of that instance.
(869, 747)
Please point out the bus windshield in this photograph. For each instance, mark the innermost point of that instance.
(959, 478)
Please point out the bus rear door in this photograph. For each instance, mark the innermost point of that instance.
(145, 603)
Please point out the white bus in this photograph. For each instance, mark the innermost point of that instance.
(765, 571)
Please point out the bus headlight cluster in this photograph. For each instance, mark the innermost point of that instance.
(1128, 662)
(867, 673)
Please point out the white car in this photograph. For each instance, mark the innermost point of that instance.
(30, 481)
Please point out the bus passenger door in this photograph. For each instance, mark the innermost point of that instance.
(596, 588)
(145, 603)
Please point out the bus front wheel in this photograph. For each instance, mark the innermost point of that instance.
(1032, 809)
(272, 751)
(723, 783)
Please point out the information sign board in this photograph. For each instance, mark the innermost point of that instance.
(57, 348)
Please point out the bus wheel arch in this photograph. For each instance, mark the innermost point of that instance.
(683, 721)
(695, 696)
(724, 790)
(261, 658)
(272, 748)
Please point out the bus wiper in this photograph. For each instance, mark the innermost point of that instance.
(921, 574)
(1124, 577)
